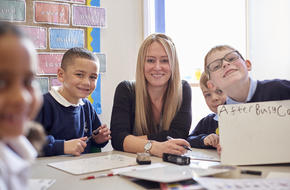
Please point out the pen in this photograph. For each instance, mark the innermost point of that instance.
(95, 132)
(97, 176)
(251, 172)
(186, 147)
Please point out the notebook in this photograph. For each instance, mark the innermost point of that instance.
(255, 133)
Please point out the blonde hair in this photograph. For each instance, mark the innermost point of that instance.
(213, 50)
(173, 95)
(203, 80)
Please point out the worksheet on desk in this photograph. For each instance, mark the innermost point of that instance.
(94, 164)
(196, 155)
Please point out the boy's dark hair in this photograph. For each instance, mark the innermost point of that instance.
(9, 28)
(76, 52)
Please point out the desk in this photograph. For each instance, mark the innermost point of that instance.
(66, 181)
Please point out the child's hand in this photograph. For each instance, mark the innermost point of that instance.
(104, 134)
(75, 146)
(211, 140)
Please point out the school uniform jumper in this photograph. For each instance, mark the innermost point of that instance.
(66, 123)
(123, 116)
(271, 90)
(205, 126)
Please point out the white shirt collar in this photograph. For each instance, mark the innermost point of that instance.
(60, 99)
(216, 117)
(252, 90)
(22, 155)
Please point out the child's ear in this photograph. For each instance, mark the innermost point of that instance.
(60, 73)
(248, 65)
(210, 84)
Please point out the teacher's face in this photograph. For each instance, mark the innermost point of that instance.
(156, 68)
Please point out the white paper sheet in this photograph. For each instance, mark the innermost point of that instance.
(244, 184)
(195, 155)
(171, 173)
(94, 164)
(40, 184)
(279, 175)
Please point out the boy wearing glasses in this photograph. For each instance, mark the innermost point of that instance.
(228, 70)
(205, 134)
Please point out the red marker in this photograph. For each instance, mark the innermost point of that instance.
(97, 176)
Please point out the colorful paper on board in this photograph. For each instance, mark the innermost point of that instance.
(88, 16)
(51, 13)
(37, 35)
(73, 1)
(49, 63)
(12, 10)
(43, 82)
(54, 82)
(78, 1)
(61, 38)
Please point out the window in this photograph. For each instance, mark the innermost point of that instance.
(195, 27)
(260, 30)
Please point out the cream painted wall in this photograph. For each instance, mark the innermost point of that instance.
(120, 42)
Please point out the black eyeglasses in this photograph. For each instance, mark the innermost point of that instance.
(218, 63)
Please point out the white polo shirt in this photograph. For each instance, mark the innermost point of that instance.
(16, 156)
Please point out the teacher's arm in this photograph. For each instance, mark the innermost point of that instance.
(123, 113)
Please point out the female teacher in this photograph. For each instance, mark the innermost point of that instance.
(156, 106)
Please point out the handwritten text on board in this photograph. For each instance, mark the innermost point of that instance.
(258, 109)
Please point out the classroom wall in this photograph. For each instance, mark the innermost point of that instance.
(120, 42)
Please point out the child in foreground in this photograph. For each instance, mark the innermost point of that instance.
(20, 100)
(69, 119)
(205, 134)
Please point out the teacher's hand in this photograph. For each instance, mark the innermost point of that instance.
(174, 146)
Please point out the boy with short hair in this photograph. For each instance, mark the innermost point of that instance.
(228, 70)
(205, 134)
(69, 119)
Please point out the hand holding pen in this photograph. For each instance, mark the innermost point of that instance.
(184, 146)
(101, 134)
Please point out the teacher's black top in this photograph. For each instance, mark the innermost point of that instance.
(123, 116)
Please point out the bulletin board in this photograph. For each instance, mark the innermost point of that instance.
(55, 26)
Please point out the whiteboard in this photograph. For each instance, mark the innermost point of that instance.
(255, 133)
(95, 164)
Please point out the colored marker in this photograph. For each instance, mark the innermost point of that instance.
(97, 176)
